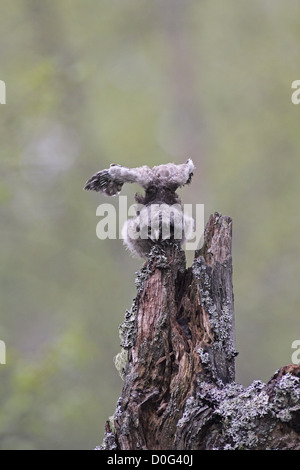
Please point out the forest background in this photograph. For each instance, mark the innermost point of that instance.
(136, 82)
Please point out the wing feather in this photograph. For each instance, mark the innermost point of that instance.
(103, 182)
(110, 181)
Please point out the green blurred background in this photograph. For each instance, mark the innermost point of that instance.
(90, 82)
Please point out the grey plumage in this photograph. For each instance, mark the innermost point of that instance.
(161, 215)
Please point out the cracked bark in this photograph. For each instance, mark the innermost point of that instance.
(178, 362)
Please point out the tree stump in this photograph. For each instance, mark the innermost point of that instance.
(178, 361)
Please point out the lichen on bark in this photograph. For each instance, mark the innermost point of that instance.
(178, 361)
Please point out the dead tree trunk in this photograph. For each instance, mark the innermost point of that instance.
(178, 362)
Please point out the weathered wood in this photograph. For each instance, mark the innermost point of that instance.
(178, 361)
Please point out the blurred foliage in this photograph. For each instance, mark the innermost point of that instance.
(136, 82)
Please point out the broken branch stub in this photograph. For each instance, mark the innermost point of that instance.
(178, 361)
(180, 327)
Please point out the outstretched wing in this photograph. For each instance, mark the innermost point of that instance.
(110, 181)
(104, 182)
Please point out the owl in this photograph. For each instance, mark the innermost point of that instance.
(159, 211)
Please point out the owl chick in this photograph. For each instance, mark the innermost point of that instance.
(159, 212)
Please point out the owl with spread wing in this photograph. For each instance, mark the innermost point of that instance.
(159, 212)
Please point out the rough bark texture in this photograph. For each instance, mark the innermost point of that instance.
(178, 362)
